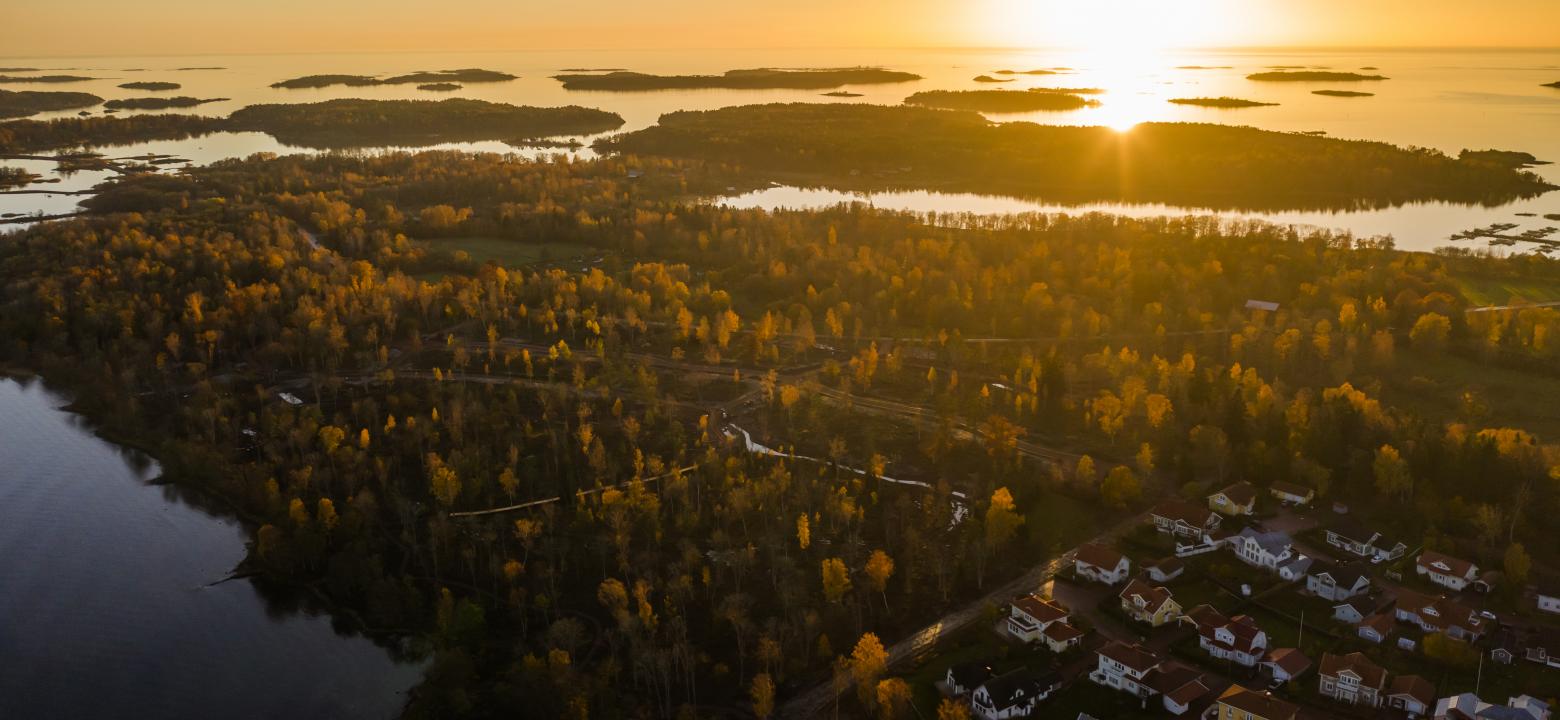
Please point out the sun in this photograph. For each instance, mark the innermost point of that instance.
(1116, 27)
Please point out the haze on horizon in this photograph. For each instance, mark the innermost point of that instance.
(183, 27)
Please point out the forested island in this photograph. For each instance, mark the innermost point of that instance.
(1204, 67)
(361, 123)
(1342, 93)
(1027, 72)
(868, 146)
(14, 177)
(468, 75)
(1555, 84)
(542, 474)
(999, 101)
(16, 104)
(990, 79)
(25, 136)
(152, 86)
(759, 79)
(1220, 102)
(440, 87)
(45, 79)
(158, 103)
(1313, 76)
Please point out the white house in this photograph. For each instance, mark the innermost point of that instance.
(1034, 619)
(1013, 695)
(1236, 639)
(1468, 705)
(1184, 519)
(1376, 628)
(1411, 694)
(964, 678)
(1285, 664)
(1352, 679)
(1439, 614)
(1101, 564)
(1355, 610)
(1543, 647)
(1165, 569)
(1445, 570)
(1126, 668)
(1337, 582)
(1262, 549)
(1548, 599)
(1349, 536)
(1291, 493)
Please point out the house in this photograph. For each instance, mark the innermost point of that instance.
(1350, 536)
(1125, 668)
(1028, 617)
(1013, 695)
(1439, 614)
(1262, 549)
(1468, 706)
(1101, 564)
(1178, 686)
(1375, 628)
(1546, 594)
(1237, 499)
(1355, 610)
(1060, 636)
(963, 678)
(1337, 582)
(1295, 568)
(1236, 639)
(1285, 664)
(1149, 604)
(1238, 703)
(1411, 694)
(1487, 581)
(1165, 569)
(1445, 570)
(1543, 647)
(1504, 647)
(1352, 679)
(1291, 493)
(1184, 519)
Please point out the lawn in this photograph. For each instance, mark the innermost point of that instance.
(1506, 291)
(1432, 384)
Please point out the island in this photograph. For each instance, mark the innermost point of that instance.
(1026, 72)
(1220, 102)
(440, 87)
(1504, 158)
(1313, 76)
(592, 70)
(1342, 93)
(16, 104)
(1204, 67)
(151, 86)
(999, 101)
(758, 79)
(158, 103)
(863, 147)
(44, 79)
(363, 123)
(841, 94)
(1555, 84)
(468, 75)
(188, 69)
(990, 79)
(15, 177)
(26, 136)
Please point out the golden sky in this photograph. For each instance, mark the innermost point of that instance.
(107, 27)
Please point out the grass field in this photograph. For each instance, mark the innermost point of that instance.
(1505, 291)
(1432, 385)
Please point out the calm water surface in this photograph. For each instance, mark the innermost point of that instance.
(1447, 100)
(106, 609)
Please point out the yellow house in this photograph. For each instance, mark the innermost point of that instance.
(1237, 499)
(1149, 604)
(1238, 703)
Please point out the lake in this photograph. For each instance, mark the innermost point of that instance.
(107, 607)
(1444, 99)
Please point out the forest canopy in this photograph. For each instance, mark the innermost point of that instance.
(999, 101)
(360, 123)
(758, 79)
(15, 104)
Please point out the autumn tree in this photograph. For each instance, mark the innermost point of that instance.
(893, 699)
(868, 662)
(880, 567)
(762, 694)
(1391, 473)
(1120, 488)
(836, 580)
(1517, 564)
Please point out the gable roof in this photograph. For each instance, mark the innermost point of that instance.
(1415, 687)
(1258, 704)
(1241, 493)
(1346, 575)
(1136, 657)
(1178, 683)
(971, 674)
(1153, 596)
(1042, 610)
(1290, 660)
(1273, 543)
(1432, 560)
(1061, 632)
(1290, 489)
(1361, 604)
(1243, 630)
(1350, 529)
(1190, 513)
(1439, 611)
(1370, 674)
(1099, 556)
(1380, 622)
(1007, 689)
(1168, 565)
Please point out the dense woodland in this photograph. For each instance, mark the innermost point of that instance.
(680, 574)
(999, 100)
(868, 146)
(757, 79)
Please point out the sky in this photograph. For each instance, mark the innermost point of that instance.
(189, 27)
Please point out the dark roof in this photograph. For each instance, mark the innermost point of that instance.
(1168, 565)
(1346, 575)
(1259, 704)
(1380, 622)
(1099, 556)
(1351, 529)
(1136, 657)
(1007, 689)
(1415, 687)
(1371, 674)
(1290, 488)
(970, 675)
(1041, 609)
(1187, 512)
(1455, 566)
(1241, 493)
(1361, 604)
(1291, 660)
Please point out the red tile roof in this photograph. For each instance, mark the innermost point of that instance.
(1135, 657)
(1061, 632)
(1154, 597)
(1187, 512)
(1415, 687)
(1042, 610)
(1429, 559)
(1099, 556)
(1258, 704)
(1290, 660)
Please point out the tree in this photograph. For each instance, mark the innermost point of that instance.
(868, 662)
(1391, 473)
(880, 567)
(836, 579)
(763, 694)
(1002, 518)
(1120, 488)
(1084, 471)
(1430, 332)
(1210, 450)
(951, 709)
(893, 699)
(1517, 564)
(803, 531)
(1452, 652)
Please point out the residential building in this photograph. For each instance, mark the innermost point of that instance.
(1352, 679)
(1185, 519)
(1468, 706)
(1355, 610)
(1149, 604)
(1178, 686)
(1376, 628)
(964, 678)
(1125, 667)
(1543, 647)
(1291, 493)
(1237, 499)
(1350, 536)
(1238, 703)
(1237, 639)
(1262, 549)
(1028, 617)
(1439, 614)
(1488, 581)
(1286, 664)
(1101, 564)
(1013, 695)
(1295, 568)
(1411, 694)
(1504, 647)
(1165, 569)
(1337, 582)
(1059, 637)
(1546, 595)
(1445, 570)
